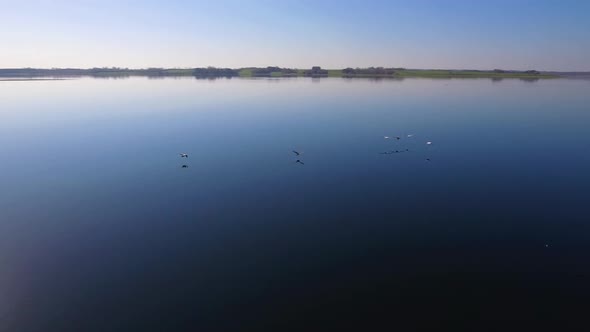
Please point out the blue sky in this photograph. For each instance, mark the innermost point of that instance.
(517, 34)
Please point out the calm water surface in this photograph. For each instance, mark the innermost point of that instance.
(102, 229)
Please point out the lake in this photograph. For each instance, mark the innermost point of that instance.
(104, 227)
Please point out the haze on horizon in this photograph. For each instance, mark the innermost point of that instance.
(458, 34)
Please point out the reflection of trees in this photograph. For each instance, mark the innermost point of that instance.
(125, 77)
(374, 78)
(211, 78)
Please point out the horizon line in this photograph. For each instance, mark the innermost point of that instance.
(328, 68)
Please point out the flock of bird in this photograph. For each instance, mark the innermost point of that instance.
(298, 161)
(397, 138)
(184, 155)
(298, 154)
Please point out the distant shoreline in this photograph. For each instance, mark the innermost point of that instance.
(13, 79)
(211, 72)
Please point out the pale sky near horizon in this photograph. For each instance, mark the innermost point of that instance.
(517, 34)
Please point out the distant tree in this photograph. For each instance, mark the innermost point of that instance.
(316, 71)
(215, 72)
(268, 71)
(348, 71)
(371, 71)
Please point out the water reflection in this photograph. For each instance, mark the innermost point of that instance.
(104, 226)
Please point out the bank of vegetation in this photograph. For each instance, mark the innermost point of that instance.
(213, 72)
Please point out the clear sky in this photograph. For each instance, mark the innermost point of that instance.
(508, 34)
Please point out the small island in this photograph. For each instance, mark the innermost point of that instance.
(316, 71)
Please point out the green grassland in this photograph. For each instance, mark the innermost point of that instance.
(246, 72)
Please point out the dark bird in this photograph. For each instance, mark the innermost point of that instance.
(183, 155)
(297, 153)
(394, 151)
(299, 162)
(184, 166)
(397, 137)
(427, 159)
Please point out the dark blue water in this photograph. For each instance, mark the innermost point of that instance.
(102, 229)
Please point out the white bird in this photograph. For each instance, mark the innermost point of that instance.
(183, 155)
(410, 135)
(428, 143)
(386, 137)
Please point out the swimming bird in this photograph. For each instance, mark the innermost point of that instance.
(386, 137)
(429, 143)
(296, 153)
(184, 166)
(397, 137)
(299, 162)
(394, 151)
(427, 159)
(183, 155)
(410, 135)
